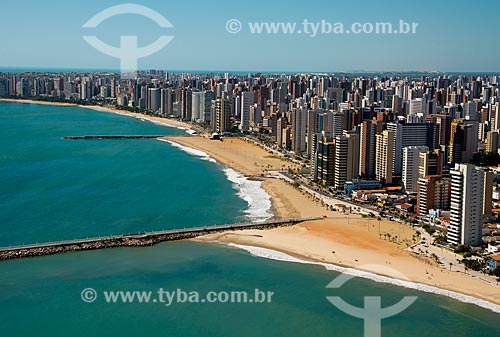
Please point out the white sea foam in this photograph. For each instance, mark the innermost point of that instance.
(259, 202)
(191, 151)
(187, 130)
(163, 124)
(279, 256)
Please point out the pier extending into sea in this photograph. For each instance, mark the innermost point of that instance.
(135, 240)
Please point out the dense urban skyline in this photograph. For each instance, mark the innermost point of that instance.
(363, 137)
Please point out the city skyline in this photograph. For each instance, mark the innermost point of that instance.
(202, 43)
(391, 132)
(230, 168)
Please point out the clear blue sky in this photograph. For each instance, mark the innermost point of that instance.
(455, 35)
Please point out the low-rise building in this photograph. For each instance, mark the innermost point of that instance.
(360, 184)
(493, 262)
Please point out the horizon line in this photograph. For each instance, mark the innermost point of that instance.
(208, 71)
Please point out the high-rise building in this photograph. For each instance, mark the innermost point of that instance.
(335, 94)
(397, 104)
(154, 99)
(443, 121)
(69, 89)
(467, 197)
(417, 108)
(195, 105)
(325, 162)
(314, 128)
(221, 114)
(113, 87)
(411, 134)
(255, 115)
(299, 122)
(463, 142)
(411, 160)
(492, 141)
(166, 102)
(205, 105)
(488, 193)
(346, 159)
(338, 124)
(367, 150)
(384, 148)
(430, 163)
(247, 99)
(433, 193)
(4, 87)
(286, 138)
(183, 97)
(496, 119)
(142, 102)
(281, 125)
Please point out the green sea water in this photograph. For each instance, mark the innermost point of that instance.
(41, 297)
(52, 188)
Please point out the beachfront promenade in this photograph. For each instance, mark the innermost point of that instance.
(135, 240)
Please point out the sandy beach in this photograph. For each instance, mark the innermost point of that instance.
(160, 120)
(30, 101)
(342, 239)
(240, 155)
(165, 121)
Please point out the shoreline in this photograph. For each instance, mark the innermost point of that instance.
(355, 244)
(248, 240)
(285, 257)
(235, 176)
(249, 190)
(169, 122)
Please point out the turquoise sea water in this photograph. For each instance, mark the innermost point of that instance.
(46, 293)
(52, 189)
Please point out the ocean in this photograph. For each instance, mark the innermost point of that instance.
(52, 189)
(55, 189)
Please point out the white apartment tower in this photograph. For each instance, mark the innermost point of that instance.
(247, 99)
(410, 175)
(467, 191)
